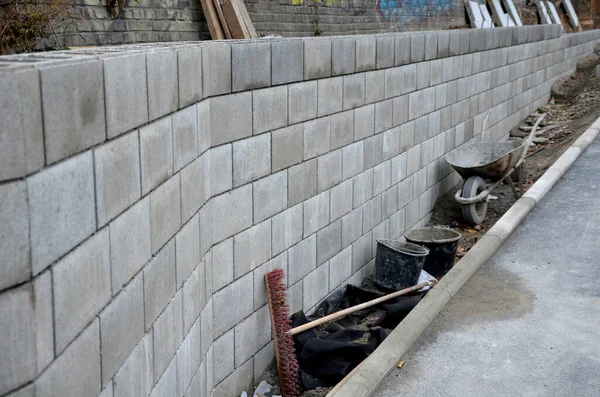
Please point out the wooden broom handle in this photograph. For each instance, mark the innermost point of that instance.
(357, 308)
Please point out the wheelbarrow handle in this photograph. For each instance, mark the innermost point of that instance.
(529, 140)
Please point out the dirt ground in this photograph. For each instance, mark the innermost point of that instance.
(573, 113)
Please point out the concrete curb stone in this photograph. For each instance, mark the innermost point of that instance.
(372, 371)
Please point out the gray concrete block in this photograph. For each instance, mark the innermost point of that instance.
(428, 100)
(316, 213)
(130, 246)
(365, 53)
(402, 49)
(454, 43)
(315, 286)
(426, 152)
(14, 234)
(302, 182)
(302, 101)
(373, 151)
(117, 169)
(122, 326)
(302, 259)
(168, 334)
(270, 195)
(409, 78)
(352, 160)
(240, 291)
(434, 124)
(342, 129)
(389, 203)
(436, 74)
(232, 212)
(73, 108)
(294, 297)
(362, 188)
(383, 115)
(447, 69)
(137, 373)
(374, 86)
(269, 109)
(364, 122)
(385, 52)
(317, 58)
(163, 87)
(195, 186)
(329, 172)
(391, 143)
(343, 51)
(382, 177)
(413, 160)
(262, 359)
(203, 125)
(457, 67)
(443, 42)
(216, 69)
(419, 182)
(423, 74)
(81, 285)
(167, 384)
(260, 294)
(62, 209)
(198, 385)
(407, 136)
(361, 252)
(440, 96)
(405, 191)
(189, 356)
(250, 65)
(340, 268)
(371, 213)
(194, 295)
(222, 264)
(245, 338)
(221, 169)
(341, 199)
(227, 126)
(165, 212)
(189, 73)
(287, 61)
(431, 45)
(185, 137)
(159, 283)
(22, 149)
(252, 248)
(399, 110)
(464, 43)
(330, 96)
(398, 172)
(77, 370)
(317, 137)
(397, 224)
(415, 105)
(417, 47)
(28, 310)
(251, 159)
(286, 229)
(156, 153)
(287, 147)
(393, 81)
(353, 91)
(187, 249)
(240, 379)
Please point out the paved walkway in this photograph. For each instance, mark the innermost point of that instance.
(528, 322)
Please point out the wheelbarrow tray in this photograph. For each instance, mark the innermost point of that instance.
(490, 160)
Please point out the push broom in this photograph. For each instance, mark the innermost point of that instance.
(287, 364)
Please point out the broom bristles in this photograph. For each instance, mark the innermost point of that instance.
(287, 364)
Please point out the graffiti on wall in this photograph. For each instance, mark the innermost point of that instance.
(405, 11)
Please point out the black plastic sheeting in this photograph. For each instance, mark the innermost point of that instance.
(328, 353)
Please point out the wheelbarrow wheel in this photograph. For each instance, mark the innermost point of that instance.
(474, 213)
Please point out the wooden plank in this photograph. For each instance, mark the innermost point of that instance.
(214, 26)
(222, 19)
(247, 20)
(234, 19)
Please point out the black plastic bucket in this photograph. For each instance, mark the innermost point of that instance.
(442, 244)
(398, 264)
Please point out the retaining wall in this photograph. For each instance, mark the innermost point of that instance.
(147, 189)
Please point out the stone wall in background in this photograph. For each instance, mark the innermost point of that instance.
(183, 20)
(145, 190)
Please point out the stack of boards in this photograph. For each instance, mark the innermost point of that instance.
(481, 18)
(228, 19)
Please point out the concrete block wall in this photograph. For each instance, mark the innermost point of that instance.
(145, 190)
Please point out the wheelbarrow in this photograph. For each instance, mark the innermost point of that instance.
(495, 161)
